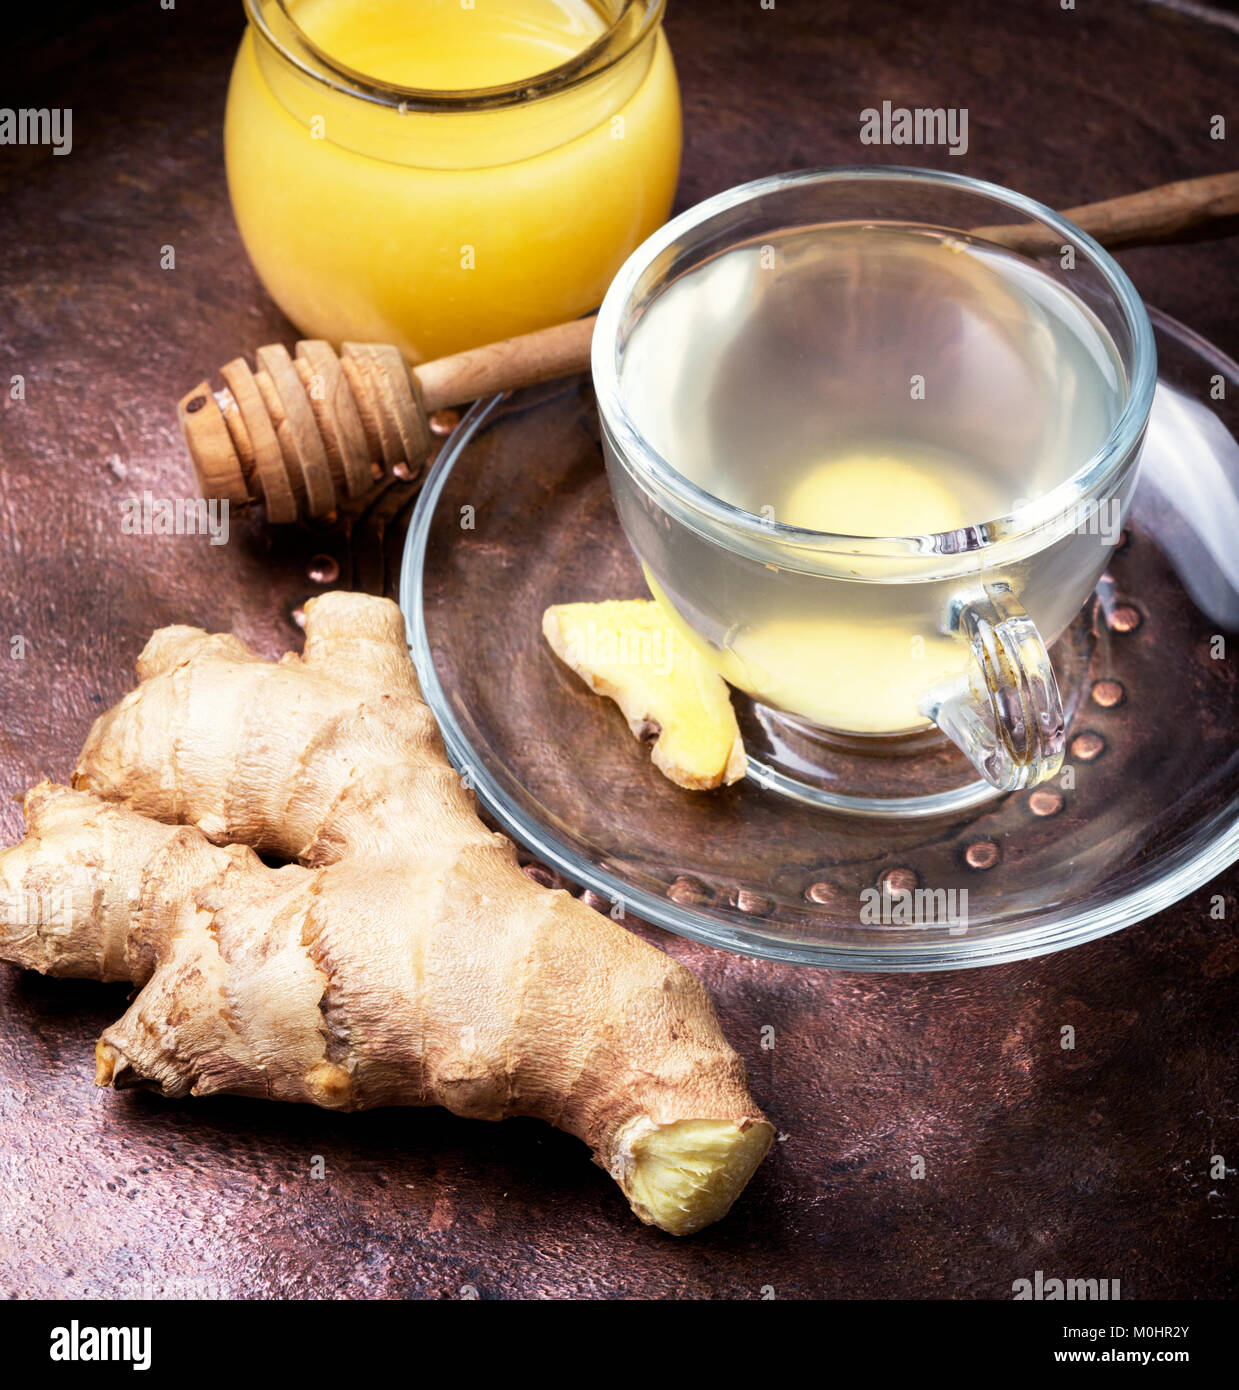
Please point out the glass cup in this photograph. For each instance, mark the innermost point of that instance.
(893, 634)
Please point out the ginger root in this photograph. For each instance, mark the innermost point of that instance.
(628, 650)
(401, 957)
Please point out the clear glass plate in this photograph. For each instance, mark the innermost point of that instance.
(516, 515)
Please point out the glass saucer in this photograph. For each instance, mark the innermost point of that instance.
(516, 515)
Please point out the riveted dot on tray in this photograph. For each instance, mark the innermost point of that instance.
(1125, 617)
(596, 901)
(899, 880)
(444, 421)
(541, 874)
(824, 893)
(1087, 746)
(298, 616)
(1108, 693)
(323, 569)
(1046, 801)
(982, 854)
(750, 902)
(688, 892)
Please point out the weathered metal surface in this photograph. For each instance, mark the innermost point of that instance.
(1092, 1162)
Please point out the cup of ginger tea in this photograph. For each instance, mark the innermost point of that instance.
(872, 434)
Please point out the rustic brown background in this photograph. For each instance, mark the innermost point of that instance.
(1086, 1163)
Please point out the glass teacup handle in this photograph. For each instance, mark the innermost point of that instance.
(1005, 712)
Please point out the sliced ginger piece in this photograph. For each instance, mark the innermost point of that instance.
(628, 650)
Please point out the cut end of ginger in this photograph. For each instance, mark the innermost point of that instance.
(682, 1177)
(627, 650)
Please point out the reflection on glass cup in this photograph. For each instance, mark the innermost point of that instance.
(872, 434)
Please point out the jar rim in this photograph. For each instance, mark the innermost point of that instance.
(1051, 507)
(273, 21)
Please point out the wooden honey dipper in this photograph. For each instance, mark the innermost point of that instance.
(304, 434)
